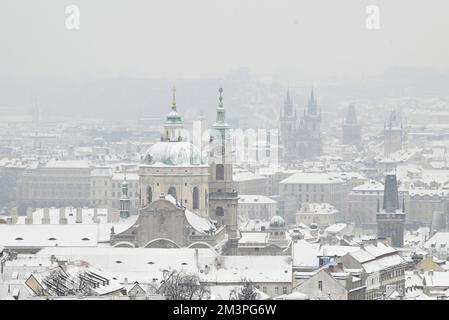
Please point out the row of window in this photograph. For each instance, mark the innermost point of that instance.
(308, 198)
(276, 289)
(299, 187)
(119, 194)
(391, 274)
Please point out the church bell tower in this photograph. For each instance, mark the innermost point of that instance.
(223, 197)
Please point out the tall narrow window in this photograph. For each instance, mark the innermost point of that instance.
(219, 172)
(320, 285)
(149, 195)
(219, 212)
(196, 202)
(172, 192)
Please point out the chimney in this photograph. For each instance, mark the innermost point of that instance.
(62, 217)
(29, 218)
(79, 215)
(340, 265)
(331, 268)
(46, 217)
(14, 215)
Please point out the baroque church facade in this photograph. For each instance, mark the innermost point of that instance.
(300, 138)
(186, 200)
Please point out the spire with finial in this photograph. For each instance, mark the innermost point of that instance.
(173, 116)
(173, 104)
(221, 113)
(288, 104)
(312, 107)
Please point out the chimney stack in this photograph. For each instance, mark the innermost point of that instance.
(29, 218)
(14, 215)
(62, 217)
(79, 215)
(46, 217)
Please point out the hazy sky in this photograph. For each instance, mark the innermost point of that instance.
(195, 38)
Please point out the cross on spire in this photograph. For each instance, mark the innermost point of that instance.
(174, 98)
(220, 90)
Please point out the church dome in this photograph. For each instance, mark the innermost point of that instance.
(277, 222)
(173, 154)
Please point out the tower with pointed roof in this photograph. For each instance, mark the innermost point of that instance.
(173, 125)
(312, 126)
(393, 133)
(390, 218)
(300, 138)
(351, 128)
(288, 125)
(223, 197)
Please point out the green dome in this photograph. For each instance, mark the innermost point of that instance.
(173, 154)
(277, 222)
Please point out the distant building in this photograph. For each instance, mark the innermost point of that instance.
(351, 128)
(251, 183)
(323, 214)
(300, 139)
(390, 219)
(305, 187)
(256, 207)
(106, 190)
(393, 134)
(54, 184)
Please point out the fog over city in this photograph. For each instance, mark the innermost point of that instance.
(224, 150)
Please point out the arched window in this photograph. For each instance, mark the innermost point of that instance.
(149, 195)
(172, 192)
(196, 200)
(219, 172)
(219, 212)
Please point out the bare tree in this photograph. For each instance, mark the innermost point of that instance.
(178, 285)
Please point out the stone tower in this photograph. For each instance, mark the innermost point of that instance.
(312, 126)
(393, 134)
(390, 219)
(288, 128)
(223, 197)
(351, 128)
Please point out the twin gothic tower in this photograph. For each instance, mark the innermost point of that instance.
(300, 138)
